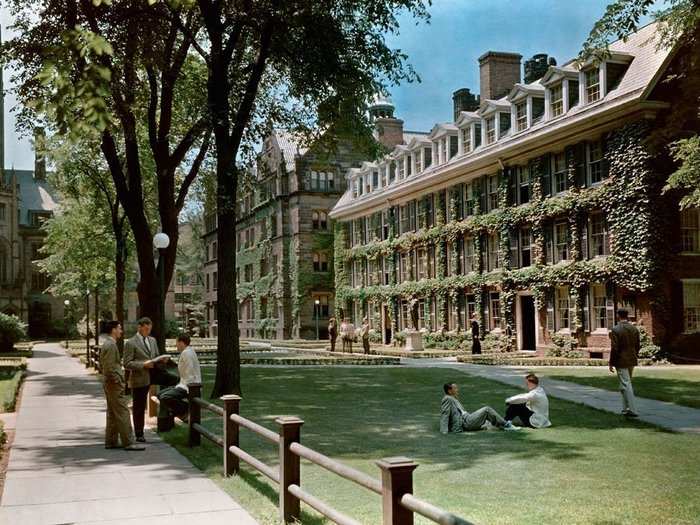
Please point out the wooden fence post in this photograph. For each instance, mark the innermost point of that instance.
(195, 414)
(397, 480)
(290, 472)
(231, 461)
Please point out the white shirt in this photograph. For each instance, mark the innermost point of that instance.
(188, 367)
(536, 400)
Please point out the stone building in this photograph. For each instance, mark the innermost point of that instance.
(26, 200)
(284, 265)
(540, 213)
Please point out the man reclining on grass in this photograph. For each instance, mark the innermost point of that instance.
(453, 417)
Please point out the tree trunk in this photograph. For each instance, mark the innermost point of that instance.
(228, 361)
(120, 257)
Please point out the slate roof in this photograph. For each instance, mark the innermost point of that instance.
(34, 195)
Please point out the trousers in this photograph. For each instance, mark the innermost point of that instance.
(519, 410)
(118, 421)
(476, 420)
(624, 375)
(139, 398)
(173, 399)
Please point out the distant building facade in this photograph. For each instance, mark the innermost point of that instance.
(284, 264)
(540, 213)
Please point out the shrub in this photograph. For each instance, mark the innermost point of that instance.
(564, 346)
(375, 336)
(647, 348)
(11, 331)
(496, 342)
(400, 338)
(447, 340)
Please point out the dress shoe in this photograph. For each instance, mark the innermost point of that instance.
(141, 439)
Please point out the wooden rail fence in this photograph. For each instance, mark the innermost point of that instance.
(395, 486)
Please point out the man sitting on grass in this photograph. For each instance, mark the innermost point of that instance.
(453, 417)
(174, 398)
(532, 408)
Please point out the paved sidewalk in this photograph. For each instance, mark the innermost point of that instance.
(666, 415)
(60, 472)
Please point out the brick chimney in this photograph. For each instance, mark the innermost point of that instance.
(464, 100)
(389, 131)
(499, 72)
(39, 158)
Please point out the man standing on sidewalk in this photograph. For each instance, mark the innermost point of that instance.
(118, 420)
(624, 349)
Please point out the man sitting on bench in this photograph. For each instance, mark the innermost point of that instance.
(174, 398)
(453, 417)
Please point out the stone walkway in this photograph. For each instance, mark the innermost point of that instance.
(60, 472)
(666, 415)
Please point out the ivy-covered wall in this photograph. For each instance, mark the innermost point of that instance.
(627, 196)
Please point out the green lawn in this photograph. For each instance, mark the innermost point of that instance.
(676, 385)
(590, 467)
(9, 384)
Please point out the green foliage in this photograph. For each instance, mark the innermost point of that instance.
(565, 345)
(686, 152)
(648, 350)
(496, 343)
(447, 340)
(12, 330)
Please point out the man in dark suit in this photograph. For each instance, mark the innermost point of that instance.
(624, 349)
(140, 353)
(476, 343)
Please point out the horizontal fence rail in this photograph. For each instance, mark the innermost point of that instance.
(395, 487)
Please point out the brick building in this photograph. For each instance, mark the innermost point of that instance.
(541, 212)
(284, 265)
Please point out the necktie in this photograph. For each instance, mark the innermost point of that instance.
(145, 343)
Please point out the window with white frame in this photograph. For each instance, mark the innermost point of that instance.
(469, 199)
(537, 111)
(422, 256)
(690, 230)
(559, 175)
(595, 162)
(598, 232)
(521, 115)
(603, 308)
(399, 168)
(550, 314)
(491, 130)
(592, 78)
(427, 157)
(453, 142)
(493, 192)
(375, 179)
(471, 263)
(495, 311)
(466, 140)
(556, 100)
(524, 185)
(561, 241)
(691, 306)
(525, 246)
(492, 252)
(565, 308)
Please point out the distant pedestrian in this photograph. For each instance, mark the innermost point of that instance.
(624, 349)
(332, 332)
(364, 333)
(118, 426)
(476, 343)
(347, 334)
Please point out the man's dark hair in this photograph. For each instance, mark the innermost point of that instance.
(533, 379)
(144, 321)
(185, 338)
(622, 313)
(108, 326)
(446, 387)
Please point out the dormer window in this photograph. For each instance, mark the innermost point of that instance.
(521, 115)
(557, 100)
(477, 135)
(537, 111)
(409, 165)
(427, 157)
(491, 130)
(466, 140)
(592, 79)
(399, 168)
(504, 124)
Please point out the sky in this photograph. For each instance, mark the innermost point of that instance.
(444, 53)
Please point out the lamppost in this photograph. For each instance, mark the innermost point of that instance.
(317, 307)
(161, 241)
(66, 304)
